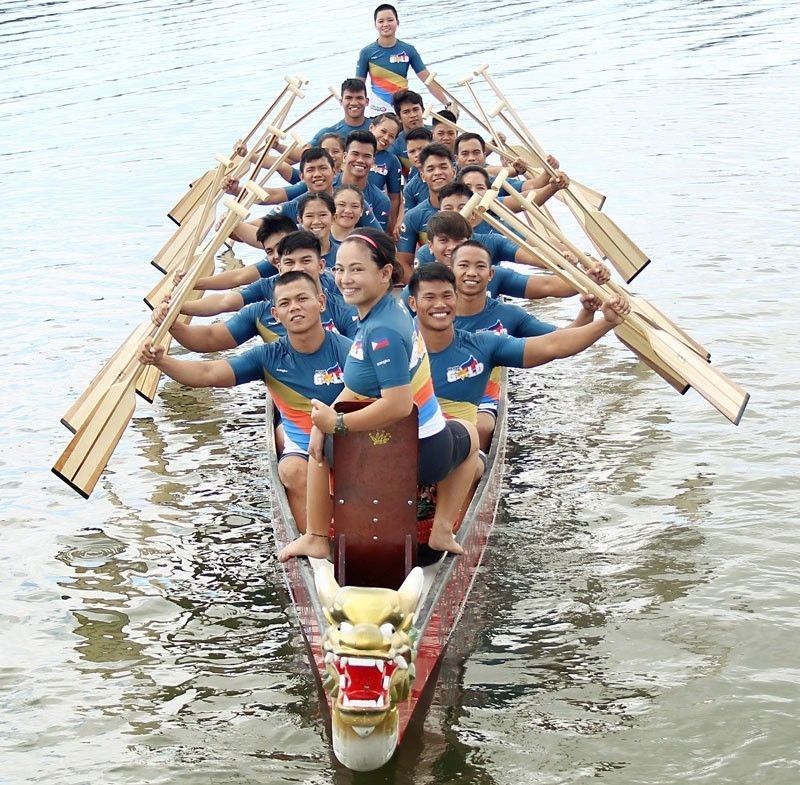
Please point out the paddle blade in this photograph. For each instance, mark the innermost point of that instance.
(80, 411)
(85, 457)
(196, 193)
(177, 247)
(642, 349)
(647, 311)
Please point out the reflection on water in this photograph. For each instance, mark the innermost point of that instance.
(635, 619)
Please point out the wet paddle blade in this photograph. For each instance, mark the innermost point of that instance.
(177, 247)
(196, 193)
(647, 311)
(150, 377)
(75, 417)
(85, 457)
(639, 345)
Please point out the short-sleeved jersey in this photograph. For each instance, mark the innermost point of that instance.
(461, 371)
(399, 149)
(387, 67)
(294, 378)
(415, 192)
(375, 200)
(414, 230)
(342, 128)
(388, 351)
(257, 319)
(266, 269)
(500, 317)
(330, 255)
(386, 173)
(263, 288)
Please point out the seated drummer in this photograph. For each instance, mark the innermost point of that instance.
(388, 364)
(305, 363)
(462, 361)
(298, 251)
(476, 312)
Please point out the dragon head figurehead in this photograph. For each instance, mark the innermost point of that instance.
(369, 664)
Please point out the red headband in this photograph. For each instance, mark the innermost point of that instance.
(363, 237)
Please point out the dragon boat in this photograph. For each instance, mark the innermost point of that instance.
(377, 618)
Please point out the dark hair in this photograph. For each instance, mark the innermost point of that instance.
(274, 224)
(331, 135)
(435, 271)
(450, 224)
(454, 189)
(364, 137)
(385, 7)
(291, 277)
(419, 133)
(378, 119)
(406, 97)
(436, 149)
(474, 168)
(317, 196)
(468, 136)
(445, 114)
(354, 86)
(472, 244)
(380, 247)
(314, 154)
(299, 240)
(349, 187)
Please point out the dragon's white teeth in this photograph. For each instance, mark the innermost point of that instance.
(386, 682)
(379, 664)
(362, 662)
(400, 661)
(352, 703)
(343, 661)
(329, 658)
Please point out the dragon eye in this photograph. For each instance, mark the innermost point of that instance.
(345, 626)
(387, 630)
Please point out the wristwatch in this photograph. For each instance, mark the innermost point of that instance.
(339, 428)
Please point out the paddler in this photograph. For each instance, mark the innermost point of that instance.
(305, 363)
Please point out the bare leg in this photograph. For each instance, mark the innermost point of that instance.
(293, 472)
(279, 440)
(319, 509)
(486, 423)
(450, 495)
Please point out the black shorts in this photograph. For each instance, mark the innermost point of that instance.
(438, 454)
(441, 453)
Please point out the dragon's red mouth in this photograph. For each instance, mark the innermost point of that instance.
(364, 683)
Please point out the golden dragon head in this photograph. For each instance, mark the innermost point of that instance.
(369, 657)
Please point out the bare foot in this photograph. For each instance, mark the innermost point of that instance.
(442, 539)
(306, 545)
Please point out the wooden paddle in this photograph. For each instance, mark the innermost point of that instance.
(84, 459)
(187, 202)
(661, 350)
(643, 307)
(590, 195)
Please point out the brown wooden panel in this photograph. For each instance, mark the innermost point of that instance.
(375, 502)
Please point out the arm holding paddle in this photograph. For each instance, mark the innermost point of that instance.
(196, 337)
(572, 340)
(192, 373)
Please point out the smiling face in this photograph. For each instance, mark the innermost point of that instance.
(317, 218)
(297, 306)
(354, 105)
(359, 279)
(437, 172)
(271, 246)
(349, 209)
(435, 305)
(385, 132)
(472, 268)
(386, 24)
(318, 175)
(335, 150)
(304, 259)
(358, 160)
(470, 152)
(442, 248)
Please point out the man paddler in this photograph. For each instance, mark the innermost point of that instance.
(305, 363)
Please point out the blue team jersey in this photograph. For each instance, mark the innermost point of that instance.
(414, 230)
(294, 378)
(257, 319)
(263, 288)
(461, 371)
(375, 200)
(388, 351)
(386, 173)
(387, 67)
(415, 192)
(399, 149)
(341, 128)
(266, 269)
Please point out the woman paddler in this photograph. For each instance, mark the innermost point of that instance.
(389, 363)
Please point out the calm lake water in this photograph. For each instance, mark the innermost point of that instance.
(637, 620)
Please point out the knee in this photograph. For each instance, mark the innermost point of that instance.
(293, 473)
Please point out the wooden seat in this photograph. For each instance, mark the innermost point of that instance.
(375, 502)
